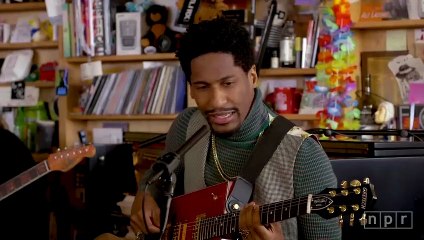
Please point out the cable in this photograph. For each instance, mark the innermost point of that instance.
(143, 204)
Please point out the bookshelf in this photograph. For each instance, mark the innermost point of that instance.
(38, 84)
(32, 45)
(45, 51)
(82, 117)
(367, 35)
(23, 7)
(125, 58)
(389, 24)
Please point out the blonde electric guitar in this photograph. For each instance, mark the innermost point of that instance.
(60, 161)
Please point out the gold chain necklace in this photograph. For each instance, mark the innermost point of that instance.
(221, 172)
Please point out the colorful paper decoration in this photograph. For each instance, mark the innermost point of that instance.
(336, 68)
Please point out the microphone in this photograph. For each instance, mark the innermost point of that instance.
(170, 161)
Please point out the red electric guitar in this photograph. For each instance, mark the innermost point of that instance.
(60, 161)
(202, 215)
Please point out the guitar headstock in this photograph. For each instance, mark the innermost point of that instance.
(351, 199)
(64, 160)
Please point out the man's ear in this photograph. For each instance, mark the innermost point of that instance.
(253, 76)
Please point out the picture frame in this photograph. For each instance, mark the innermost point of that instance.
(383, 83)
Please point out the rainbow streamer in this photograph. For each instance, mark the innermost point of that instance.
(336, 68)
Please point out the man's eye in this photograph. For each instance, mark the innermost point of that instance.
(201, 87)
(228, 83)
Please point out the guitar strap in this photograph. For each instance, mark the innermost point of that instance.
(262, 152)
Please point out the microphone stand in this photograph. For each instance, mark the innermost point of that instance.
(163, 173)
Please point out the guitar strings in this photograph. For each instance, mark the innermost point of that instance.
(234, 216)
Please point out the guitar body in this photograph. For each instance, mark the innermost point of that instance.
(202, 214)
(187, 210)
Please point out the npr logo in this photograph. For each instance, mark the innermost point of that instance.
(389, 220)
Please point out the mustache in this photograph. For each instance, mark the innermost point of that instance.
(218, 110)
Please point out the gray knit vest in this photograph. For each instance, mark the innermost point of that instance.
(274, 183)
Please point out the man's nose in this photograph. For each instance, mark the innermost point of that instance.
(218, 98)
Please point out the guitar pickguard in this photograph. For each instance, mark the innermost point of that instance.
(188, 210)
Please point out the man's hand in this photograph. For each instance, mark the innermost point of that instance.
(251, 228)
(151, 213)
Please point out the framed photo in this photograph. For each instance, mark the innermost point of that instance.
(384, 85)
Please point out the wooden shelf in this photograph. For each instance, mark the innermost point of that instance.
(300, 117)
(17, 7)
(268, 72)
(389, 24)
(45, 44)
(125, 58)
(39, 84)
(122, 117)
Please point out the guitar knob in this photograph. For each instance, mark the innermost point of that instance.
(344, 192)
(355, 207)
(366, 181)
(341, 220)
(355, 183)
(351, 219)
(363, 219)
(344, 184)
(330, 210)
(343, 208)
(332, 193)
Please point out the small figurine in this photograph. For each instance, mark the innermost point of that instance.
(159, 35)
(40, 31)
(385, 115)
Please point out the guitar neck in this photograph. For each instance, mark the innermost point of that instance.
(269, 213)
(23, 179)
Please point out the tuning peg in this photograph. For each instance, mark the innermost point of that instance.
(344, 184)
(355, 183)
(363, 219)
(355, 207)
(357, 190)
(351, 219)
(366, 181)
(341, 220)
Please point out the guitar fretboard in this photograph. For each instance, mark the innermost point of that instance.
(229, 223)
(23, 179)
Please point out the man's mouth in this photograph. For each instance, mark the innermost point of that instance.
(222, 117)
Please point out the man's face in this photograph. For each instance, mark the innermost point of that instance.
(223, 92)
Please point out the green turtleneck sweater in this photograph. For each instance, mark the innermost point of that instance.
(312, 170)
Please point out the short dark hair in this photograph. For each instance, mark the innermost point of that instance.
(216, 35)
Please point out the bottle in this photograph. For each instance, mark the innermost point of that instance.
(367, 105)
(287, 55)
(275, 61)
